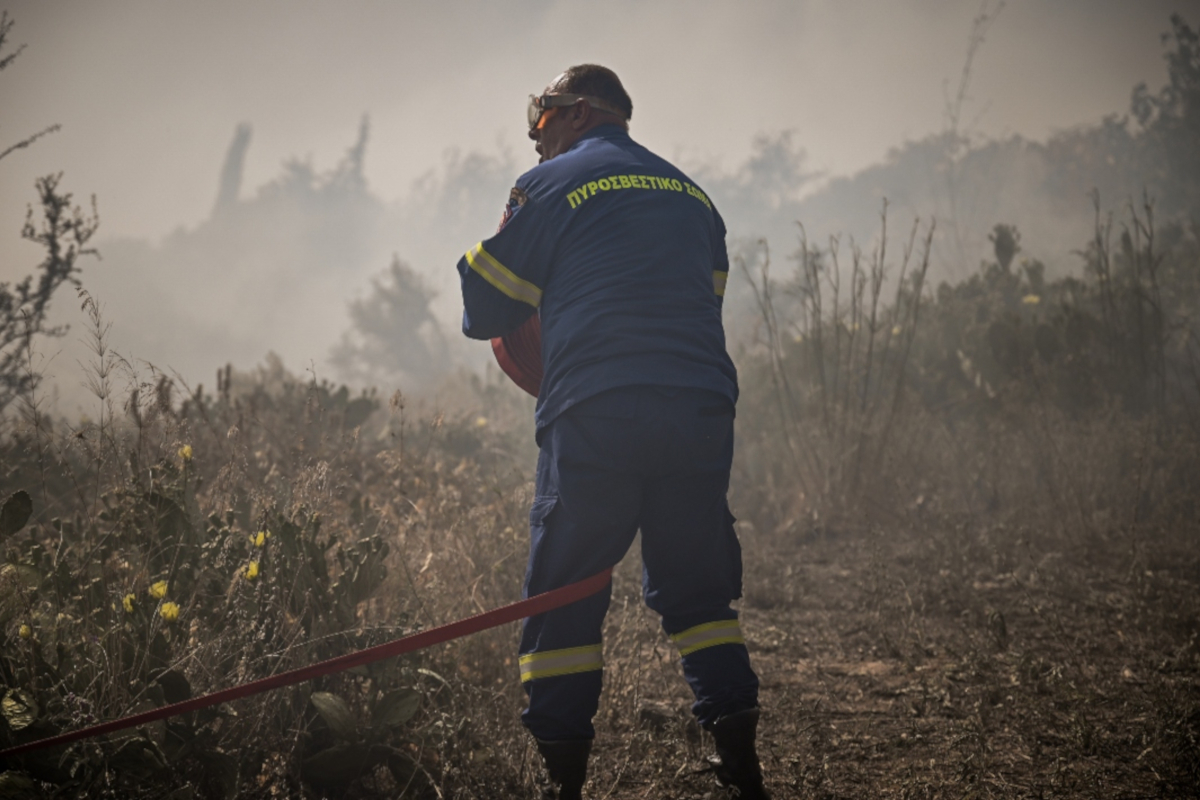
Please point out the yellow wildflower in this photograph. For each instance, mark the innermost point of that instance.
(1031, 299)
(169, 611)
(896, 330)
(127, 601)
(158, 590)
(481, 422)
(260, 539)
(252, 571)
(25, 631)
(185, 452)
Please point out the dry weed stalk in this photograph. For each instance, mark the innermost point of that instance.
(838, 367)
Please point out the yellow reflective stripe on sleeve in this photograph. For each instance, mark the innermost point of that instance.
(719, 279)
(549, 663)
(710, 634)
(503, 278)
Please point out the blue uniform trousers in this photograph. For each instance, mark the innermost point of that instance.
(655, 459)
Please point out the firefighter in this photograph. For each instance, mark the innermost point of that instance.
(620, 259)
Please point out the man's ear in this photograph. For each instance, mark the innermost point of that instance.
(581, 114)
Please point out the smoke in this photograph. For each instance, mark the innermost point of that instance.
(281, 269)
(216, 252)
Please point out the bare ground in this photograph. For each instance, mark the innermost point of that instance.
(968, 662)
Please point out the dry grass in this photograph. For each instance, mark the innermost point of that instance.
(992, 596)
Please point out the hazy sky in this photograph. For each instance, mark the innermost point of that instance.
(149, 91)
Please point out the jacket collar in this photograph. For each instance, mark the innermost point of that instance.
(609, 130)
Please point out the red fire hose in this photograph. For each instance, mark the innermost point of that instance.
(538, 604)
(520, 355)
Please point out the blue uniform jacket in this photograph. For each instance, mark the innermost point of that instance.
(625, 260)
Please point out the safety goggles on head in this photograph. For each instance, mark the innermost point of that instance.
(538, 106)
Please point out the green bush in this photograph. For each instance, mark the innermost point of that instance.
(856, 408)
(200, 542)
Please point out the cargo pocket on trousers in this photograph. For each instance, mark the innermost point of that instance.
(539, 513)
(735, 555)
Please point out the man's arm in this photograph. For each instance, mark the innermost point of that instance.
(720, 259)
(503, 277)
(495, 299)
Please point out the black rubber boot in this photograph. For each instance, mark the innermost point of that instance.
(736, 765)
(566, 762)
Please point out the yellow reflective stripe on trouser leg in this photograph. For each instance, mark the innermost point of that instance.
(502, 277)
(710, 634)
(549, 663)
(719, 279)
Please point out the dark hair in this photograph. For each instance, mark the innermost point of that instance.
(599, 82)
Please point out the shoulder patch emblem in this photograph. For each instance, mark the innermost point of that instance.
(516, 199)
